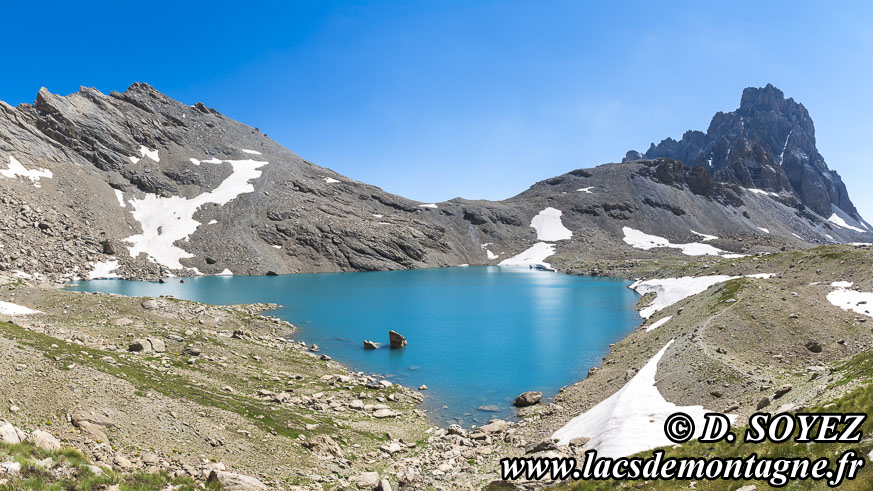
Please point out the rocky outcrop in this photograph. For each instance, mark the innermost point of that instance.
(397, 340)
(769, 144)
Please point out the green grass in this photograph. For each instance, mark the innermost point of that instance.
(35, 477)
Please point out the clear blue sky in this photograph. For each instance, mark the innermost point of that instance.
(434, 100)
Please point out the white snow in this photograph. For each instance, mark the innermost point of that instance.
(428, 205)
(377, 216)
(103, 270)
(671, 290)
(166, 220)
(632, 419)
(838, 221)
(15, 169)
(152, 154)
(782, 154)
(860, 244)
(761, 191)
(213, 160)
(658, 323)
(330, 180)
(485, 244)
(705, 237)
(253, 152)
(7, 308)
(858, 302)
(762, 229)
(226, 272)
(644, 241)
(586, 190)
(491, 255)
(535, 254)
(548, 225)
(134, 159)
(212, 222)
(799, 237)
(829, 236)
(277, 247)
(194, 161)
(119, 194)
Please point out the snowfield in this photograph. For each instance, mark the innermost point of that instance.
(330, 180)
(705, 237)
(428, 205)
(839, 222)
(858, 302)
(120, 196)
(644, 241)
(166, 220)
(252, 152)
(549, 228)
(15, 170)
(103, 270)
(548, 225)
(671, 290)
(586, 190)
(658, 323)
(491, 255)
(761, 191)
(632, 419)
(7, 308)
(535, 254)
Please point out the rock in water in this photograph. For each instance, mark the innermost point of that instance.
(527, 399)
(397, 340)
(236, 482)
(370, 345)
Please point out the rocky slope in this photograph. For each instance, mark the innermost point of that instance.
(769, 144)
(139, 185)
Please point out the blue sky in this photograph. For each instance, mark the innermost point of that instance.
(434, 100)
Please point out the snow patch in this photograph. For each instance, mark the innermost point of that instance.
(671, 290)
(548, 225)
(212, 222)
(119, 194)
(761, 191)
(428, 205)
(15, 169)
(252, 152)
(586, 190)
(632, 419)
(7, 308)
(658, 323)
(152, 154)
(226, 272)
(377, 216)
(705, 237)
(858, 302)
(194, 161)
(762, 229)
(103, 270)
(166, 220)
(491, 255)
(330, 180)
(644, 241)
(839, 222)
(535, 254)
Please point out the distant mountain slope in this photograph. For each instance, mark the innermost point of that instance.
(139, 185)
(769, 144)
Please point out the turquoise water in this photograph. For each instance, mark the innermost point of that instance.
(478, 336)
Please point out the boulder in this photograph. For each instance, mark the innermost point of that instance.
(191, 350)
(150, 305)
(814, 347)
(44, 440)
(781, 391)
(158, 345)
(370, 345)
(527, 399)
(763, 403)
(495, 426)
(139, 346)
(10, 434)
(385, 413)
(367, 480)
(235, 482)
(397, 339)
(324, 446)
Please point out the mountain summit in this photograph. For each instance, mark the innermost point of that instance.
(768, 144)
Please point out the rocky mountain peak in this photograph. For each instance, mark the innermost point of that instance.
(768, 143)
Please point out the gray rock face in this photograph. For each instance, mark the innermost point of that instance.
(243, 204)
(768, 143)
